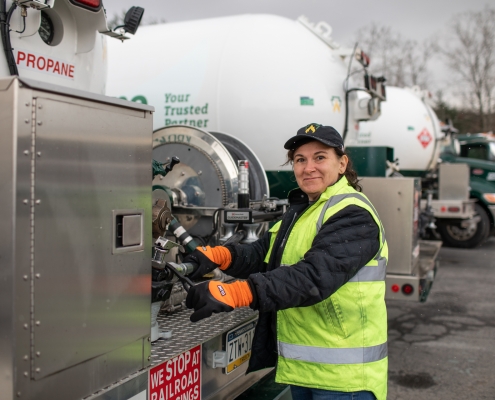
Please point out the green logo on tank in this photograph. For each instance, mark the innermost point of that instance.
(307, 101)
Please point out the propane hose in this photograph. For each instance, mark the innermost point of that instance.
(5, 32)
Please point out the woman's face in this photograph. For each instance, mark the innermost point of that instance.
(317, 166)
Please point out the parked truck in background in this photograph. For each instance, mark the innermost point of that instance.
(409, 125)
(257, 79)
(478, 152)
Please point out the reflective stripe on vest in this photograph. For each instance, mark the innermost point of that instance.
(365, 274)
(339, 197)
(371, 274)
(368, 274)
(324, 355)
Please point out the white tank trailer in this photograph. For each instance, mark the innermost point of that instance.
(408, 125)
(258, 78)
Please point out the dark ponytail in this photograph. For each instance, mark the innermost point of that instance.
(350, 174)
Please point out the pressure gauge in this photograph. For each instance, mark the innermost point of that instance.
(46, 28)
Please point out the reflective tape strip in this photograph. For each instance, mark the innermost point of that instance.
(367, 274)
(371, 274)
(337, 199)
(356, 355)
(187, 240)
(179, 231)
(330, 203)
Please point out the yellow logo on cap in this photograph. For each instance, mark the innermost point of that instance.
(310, 128)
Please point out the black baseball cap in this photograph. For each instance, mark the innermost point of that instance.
(324, 134)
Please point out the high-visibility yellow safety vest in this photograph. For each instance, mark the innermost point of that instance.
(339, 343)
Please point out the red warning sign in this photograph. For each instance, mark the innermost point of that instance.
(178, 378)
(424, 138)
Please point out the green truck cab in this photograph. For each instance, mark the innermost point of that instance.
(478, 152)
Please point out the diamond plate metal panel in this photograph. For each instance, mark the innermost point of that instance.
(186, 334)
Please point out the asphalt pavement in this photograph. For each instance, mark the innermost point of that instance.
(445, 348)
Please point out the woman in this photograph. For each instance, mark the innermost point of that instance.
(317, 278)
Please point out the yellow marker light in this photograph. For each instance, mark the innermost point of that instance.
(490, 197)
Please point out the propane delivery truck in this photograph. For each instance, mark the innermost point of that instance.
(95, 209)
(257, 79)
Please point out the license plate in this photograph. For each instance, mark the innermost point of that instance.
(238, 345)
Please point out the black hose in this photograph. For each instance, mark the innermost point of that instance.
(5, 32)
(215, 220)
(346, 123)
(24, 25)
(346, 83)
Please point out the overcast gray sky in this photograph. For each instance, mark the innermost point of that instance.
(416, 19)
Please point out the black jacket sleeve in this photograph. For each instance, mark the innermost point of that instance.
(248, 259)
(344, 244)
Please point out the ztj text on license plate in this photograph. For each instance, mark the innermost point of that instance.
(238, 345)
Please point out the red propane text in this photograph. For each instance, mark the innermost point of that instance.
(44, 64)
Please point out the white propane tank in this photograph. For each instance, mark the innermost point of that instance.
(256, 77)
(59, 45)
(408, 125)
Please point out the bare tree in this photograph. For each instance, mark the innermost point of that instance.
(402, 61)
(469, 52)
(117, 19)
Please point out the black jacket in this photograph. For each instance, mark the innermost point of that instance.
(344, 244)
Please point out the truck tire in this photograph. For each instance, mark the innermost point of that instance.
(454, 235)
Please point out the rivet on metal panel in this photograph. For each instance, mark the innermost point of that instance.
(182, 173)
(25, 277)
(26, 121)
(200, 172)
(38, 276)
(40, 106)
(399, 193)
(26, 374)
(27, 104)
(398, 209)
(38, 201)
(25, 201)
(40, 123)
(25, 326)
(149, 339)
(38, 370)
(38, 354)
(149, 358)
(18, 394)
(38, 153)
(38, 323)
(26, 152)
(26, 358)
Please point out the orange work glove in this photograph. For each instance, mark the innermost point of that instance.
(215, 296)
(207, 259)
